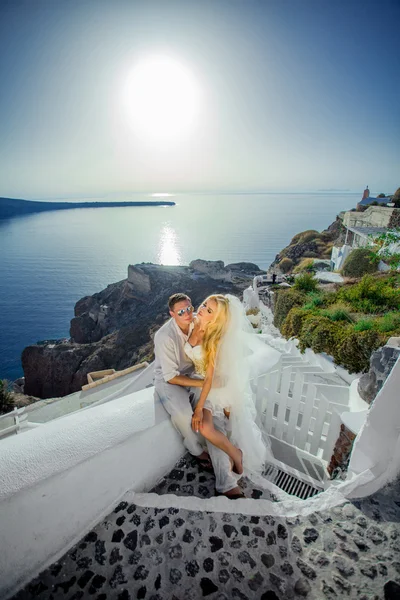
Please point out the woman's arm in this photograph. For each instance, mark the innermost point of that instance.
(207, 383)
(197, 418)
(186, 381)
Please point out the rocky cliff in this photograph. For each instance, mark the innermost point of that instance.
(310, 244)
(115, 327)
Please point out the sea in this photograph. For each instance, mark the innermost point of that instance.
(48, 261)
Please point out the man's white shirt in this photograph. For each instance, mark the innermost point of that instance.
(170, 357)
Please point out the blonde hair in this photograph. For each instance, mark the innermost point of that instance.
(215, 329)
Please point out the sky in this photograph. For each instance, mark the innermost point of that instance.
(263, 95)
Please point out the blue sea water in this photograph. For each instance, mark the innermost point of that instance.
(49, 261)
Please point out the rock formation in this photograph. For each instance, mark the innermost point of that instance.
(115, 327)
(381, 363)
(311, 244)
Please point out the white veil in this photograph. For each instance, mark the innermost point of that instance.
(242, 356)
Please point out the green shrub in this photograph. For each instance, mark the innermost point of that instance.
(371, 295)
(306, 282)
(355, 349)
(389, 323)
(285, 265)
(364, 325)
(330, 298)
(304, 236)
(315, 300)
(359, 262)
(308, 236)
(293, 323)
(286, 300)
(320, 334)
(6, 399)
(306, 264)
(338, 312)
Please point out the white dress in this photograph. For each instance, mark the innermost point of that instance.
(215, 403)
(242, 356)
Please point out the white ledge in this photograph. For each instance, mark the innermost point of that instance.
(62, 444)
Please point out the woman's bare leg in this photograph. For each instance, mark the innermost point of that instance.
(220, 440)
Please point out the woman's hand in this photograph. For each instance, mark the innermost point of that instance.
(197, 419)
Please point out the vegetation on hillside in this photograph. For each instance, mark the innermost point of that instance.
(359, 262)
(308, 244)
(384, 246)
(6, 398)
(348, 323)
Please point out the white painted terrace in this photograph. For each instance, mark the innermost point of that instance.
(67, 471)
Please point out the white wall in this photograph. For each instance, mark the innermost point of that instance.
(47, 410)
(339, 255)
(59, 480)
(377, 446)
(374, 216)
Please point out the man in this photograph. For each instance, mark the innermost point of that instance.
(179, 391)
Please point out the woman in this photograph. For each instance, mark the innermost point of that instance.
(227, 353)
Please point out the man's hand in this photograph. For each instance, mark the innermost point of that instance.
(197, 419)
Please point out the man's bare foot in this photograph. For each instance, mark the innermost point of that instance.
(203, 456)
(205, 463)
(238, 464)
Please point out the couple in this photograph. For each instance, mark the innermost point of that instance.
(203, 367)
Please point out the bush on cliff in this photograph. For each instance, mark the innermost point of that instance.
(307, 264)
(338, 322)
(355, 349)
(359, 262)
(286, 300)
(306, 282)
(338, 312)
(304, 236)
(285, 265)
(315, 300)
(6, 398)
(387, 324)
(292, 325)
(371, 295)
(320, 334)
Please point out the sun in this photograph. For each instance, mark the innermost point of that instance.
(161, 98)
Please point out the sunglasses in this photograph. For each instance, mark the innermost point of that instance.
(182, 311)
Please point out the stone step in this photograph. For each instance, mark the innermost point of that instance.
(188, 479)
(158, 552)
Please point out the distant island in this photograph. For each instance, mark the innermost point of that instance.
(333, 190)
(12, 207)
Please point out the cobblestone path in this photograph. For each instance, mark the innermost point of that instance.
(186, 479)
(350, 551)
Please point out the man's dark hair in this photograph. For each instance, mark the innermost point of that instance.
(175, 298)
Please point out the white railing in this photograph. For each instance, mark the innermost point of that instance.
(13, 418)
(15, 421)
(45, 411)
(299, 413)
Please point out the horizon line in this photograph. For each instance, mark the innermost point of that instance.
(172, 194)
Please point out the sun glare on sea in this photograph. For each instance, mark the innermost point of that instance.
(161, 98)
(168, 251)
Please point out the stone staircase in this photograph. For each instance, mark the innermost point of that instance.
(180, 542)
(161, 546)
